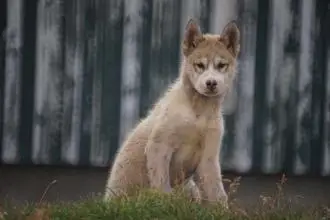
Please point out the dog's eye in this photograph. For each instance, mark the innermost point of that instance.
(221, 65)
(200, 66)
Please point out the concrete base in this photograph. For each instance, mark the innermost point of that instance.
(21, 184)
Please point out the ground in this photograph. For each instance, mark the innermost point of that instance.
(153, 205)
(251, 196)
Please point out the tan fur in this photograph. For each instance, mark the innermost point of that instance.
(179, 142)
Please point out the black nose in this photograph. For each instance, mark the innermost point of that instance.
(211, 84)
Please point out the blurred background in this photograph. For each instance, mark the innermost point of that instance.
(77, 75)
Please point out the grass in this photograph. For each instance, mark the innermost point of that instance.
(154, 205)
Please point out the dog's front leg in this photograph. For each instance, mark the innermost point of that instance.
(208, 174)
(158, 154)
(209, 180)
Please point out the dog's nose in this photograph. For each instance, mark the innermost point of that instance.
(211, 84)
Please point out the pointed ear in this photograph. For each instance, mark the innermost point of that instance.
(192, 36)
(230, 36)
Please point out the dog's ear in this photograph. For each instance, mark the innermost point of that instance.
(230, 36)
(192, 36)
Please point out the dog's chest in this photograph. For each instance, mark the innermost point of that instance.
(192, 131)
(192, 145)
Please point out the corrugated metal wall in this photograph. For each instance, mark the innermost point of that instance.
(76, 75)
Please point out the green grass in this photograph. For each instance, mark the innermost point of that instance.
(154, 205)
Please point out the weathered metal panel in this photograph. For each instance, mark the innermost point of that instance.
(326, 124)
(112, 77)
(281, 77)
(47, 117)
(3, 22)
(302, 144)
(164, 48)
(77, 75)
(242, 101)
(319, 69)
(28, 73)
(12, 81)
(131, 65)
(74, 12)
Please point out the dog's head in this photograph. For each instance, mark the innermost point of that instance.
(210, 60)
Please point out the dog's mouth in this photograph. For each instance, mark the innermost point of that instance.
(218, 92)
(207, 93)
(211, 93)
